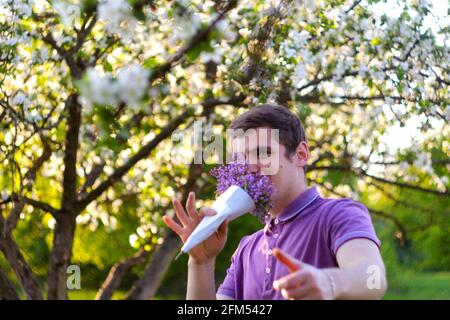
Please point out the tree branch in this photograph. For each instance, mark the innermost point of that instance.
(86, 28)
(95, 172)
(35, 203)
(201, 36)
(361, 172)
(7, 290)
(118, 271)
(260, 39)
(75, 69)
(18, 264)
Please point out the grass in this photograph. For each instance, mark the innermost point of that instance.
(88, 294)
(405, 286)
(416, 286)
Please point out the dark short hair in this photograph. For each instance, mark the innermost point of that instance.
(291, 131)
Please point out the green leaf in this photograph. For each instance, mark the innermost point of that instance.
(152, 63)
(124, 133)
(107, 66)
(89, 6)
(139, 14)
(375, 41)
(193, 54)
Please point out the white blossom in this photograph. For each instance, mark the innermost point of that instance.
(132, 82)
(68, 12)
(244, 32)
(389, 101)
(33, 116)
(340, 69)
(289, 52)
(20, 99)
(98, 89)
(444, 180)
(215, 56)
(272, 98)
(404, 66)
(423, 161)
(4, 195)
(404, 166)
(224, 27)
(23, 8)
(377, 74)
(447, 112)
(118, 16)
(300, 75)
(133, 239)
(405, 31)
(363, 70)
(306, 55)
(40, 56)
(184, 28)
(299, 39)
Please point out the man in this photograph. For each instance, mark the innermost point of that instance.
(310, 248)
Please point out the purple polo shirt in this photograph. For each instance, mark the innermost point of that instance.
(310, 228)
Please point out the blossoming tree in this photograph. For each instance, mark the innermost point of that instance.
(93, 91)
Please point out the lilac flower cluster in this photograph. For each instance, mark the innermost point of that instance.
(259, 187)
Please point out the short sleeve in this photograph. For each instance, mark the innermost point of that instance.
(350, 220)
(229, 284)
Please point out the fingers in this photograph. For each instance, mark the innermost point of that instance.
(223, 229)
(205, 211)
(305, 293)
(293, 280)
(292, 263)
(190, 205)
(173, 225)
(190, 215)
(179, 210)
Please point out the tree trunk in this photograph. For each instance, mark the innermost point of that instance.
(66, 219)
(117, 272)
(7, 290)
(148, 284)
(20, 267)
(60, 256)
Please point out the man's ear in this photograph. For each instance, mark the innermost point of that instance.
(301, 156)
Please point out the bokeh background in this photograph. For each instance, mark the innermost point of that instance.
(98, 103)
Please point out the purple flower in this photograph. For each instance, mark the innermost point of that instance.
(259, 187)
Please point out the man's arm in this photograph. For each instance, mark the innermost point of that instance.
(361, 275)
(201, 282)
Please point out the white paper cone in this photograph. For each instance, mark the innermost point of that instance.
(233, 203)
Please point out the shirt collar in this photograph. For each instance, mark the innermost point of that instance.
(297, 205)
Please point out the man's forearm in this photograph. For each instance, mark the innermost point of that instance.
(201, 281)
(356, 283)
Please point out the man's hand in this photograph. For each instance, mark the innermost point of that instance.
(304, 281)
(189, 220)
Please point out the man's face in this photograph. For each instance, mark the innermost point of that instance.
(267, 156)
